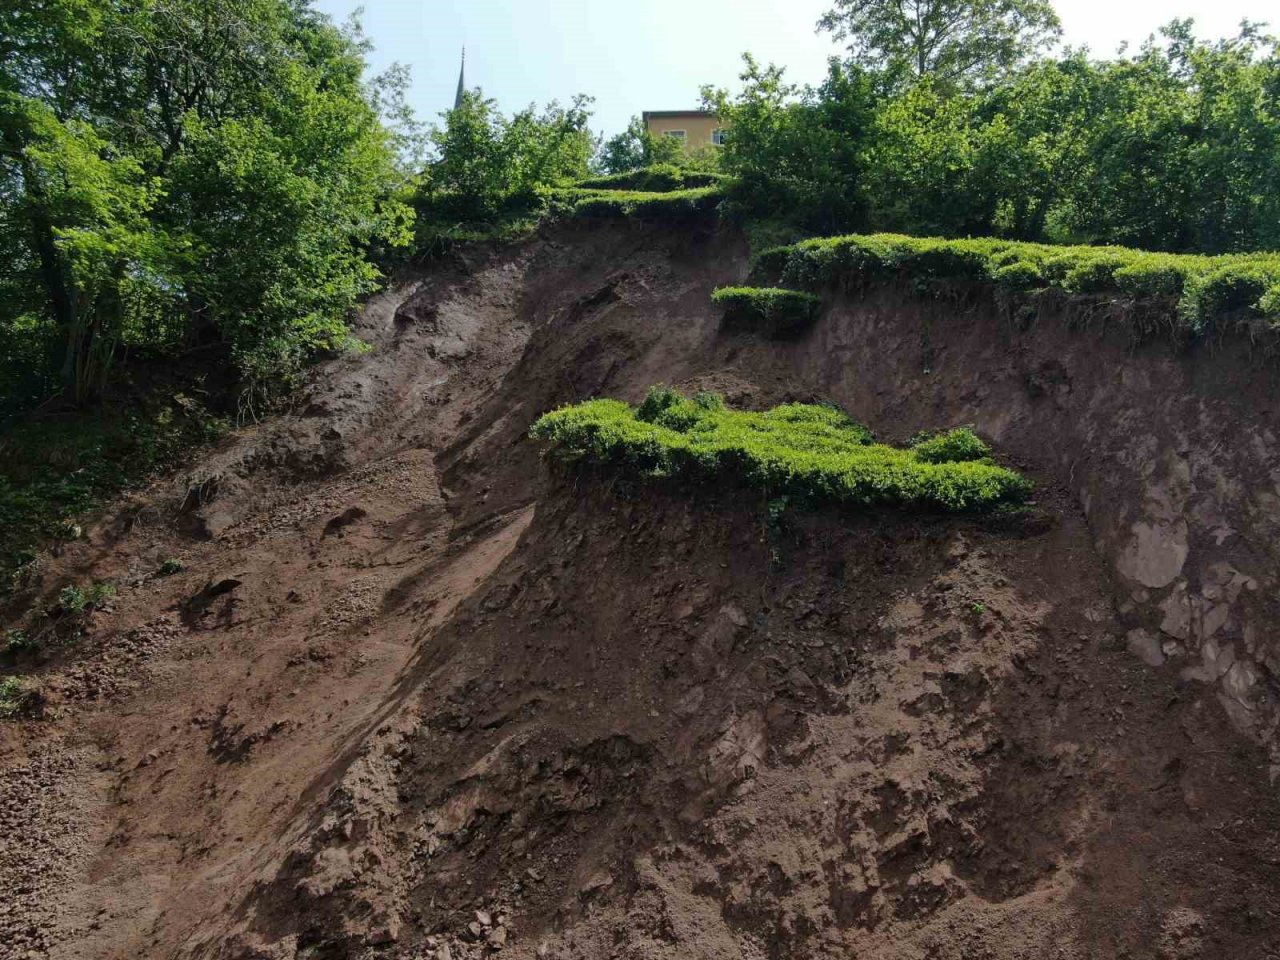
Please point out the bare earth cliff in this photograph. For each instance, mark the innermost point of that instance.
(417, 695)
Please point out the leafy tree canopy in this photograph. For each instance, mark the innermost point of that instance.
(488, 167)
(954, 42)
(183, 172)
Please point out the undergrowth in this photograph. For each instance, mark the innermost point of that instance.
(808, 454)
(771, 311)
(54, 469)
(13, 697)
(1203, 288)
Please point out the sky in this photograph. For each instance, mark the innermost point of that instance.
(657, 54)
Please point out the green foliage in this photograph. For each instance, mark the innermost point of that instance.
(796, 152)
(55, 470)
(73, 599)
(1173, 148)
(659, 178)
(178, 174)
(636, 148)
(953, 446)
(170, 567)
(773, 311)
(810, 454)
(1207, 288)
(675, 205)
(13, 697)
(955, 42)
(491, 168)
(16, 641)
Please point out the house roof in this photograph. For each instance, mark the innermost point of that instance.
(674, 114)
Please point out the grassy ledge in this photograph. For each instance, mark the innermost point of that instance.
(814, 454)
(771, 311)
(1243, 287)
(675, 205)
(659, 178)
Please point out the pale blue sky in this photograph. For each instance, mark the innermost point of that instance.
(655, 54)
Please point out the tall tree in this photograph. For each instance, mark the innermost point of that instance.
(182, 169)
(953, 42)
(635, 148)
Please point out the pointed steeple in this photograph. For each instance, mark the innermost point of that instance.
(462, 82)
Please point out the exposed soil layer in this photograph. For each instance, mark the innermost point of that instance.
(416, 695)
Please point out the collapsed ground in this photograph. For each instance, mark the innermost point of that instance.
(413, 694)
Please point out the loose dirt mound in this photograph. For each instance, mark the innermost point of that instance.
(415, 696)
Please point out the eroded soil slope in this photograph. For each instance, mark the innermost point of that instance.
(417, 695)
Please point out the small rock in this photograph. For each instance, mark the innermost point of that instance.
(497, 938)
(599, 881)
(485, 919)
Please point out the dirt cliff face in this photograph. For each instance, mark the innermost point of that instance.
(415, 695)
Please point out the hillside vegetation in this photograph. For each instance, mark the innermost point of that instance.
(1204, 288)
(813, 454)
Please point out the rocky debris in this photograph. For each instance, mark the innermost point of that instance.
(203, 606)
(42, 845)
(116, 663)
(346, 518)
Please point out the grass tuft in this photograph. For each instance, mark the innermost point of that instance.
(807, 453)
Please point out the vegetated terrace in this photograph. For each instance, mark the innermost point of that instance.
(1205, 289)
(814, 454)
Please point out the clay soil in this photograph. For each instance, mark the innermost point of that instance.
(417, 694)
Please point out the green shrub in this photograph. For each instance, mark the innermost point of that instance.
(13, 697)
(773, 311)
(659, 178)
(1018, 275)
(15, 641)
(79, 599)
(170, 567)
(1226, 288)
(677, 205)
(808, 453)
(1207, 287)
(953, 446)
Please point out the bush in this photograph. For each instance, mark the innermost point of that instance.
(15, 641)
(1207, 288)
(659, 178)
(13, 697)
(810, 454)
(1019, 275)
(170, 567)
(74, 600)
(772, 311)
(953, 446)
(677, 205)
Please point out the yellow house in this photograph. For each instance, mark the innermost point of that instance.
(694, 128)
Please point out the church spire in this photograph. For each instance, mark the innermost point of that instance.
(462, 83)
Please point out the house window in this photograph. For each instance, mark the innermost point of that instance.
(718, 136)
(674, 134)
